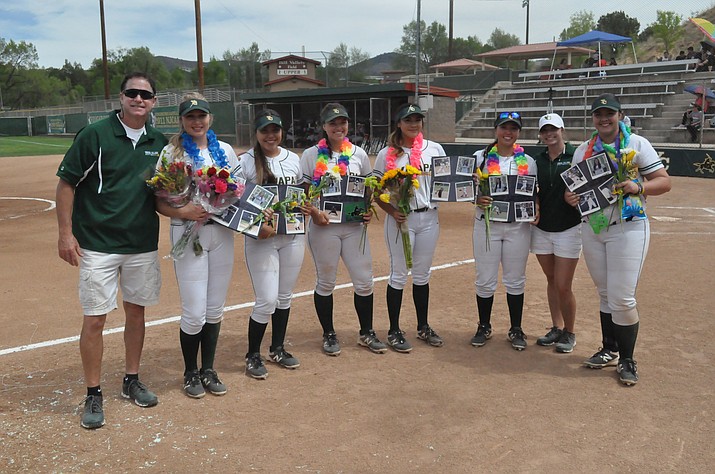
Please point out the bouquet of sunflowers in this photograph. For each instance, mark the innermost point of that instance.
(397, 187)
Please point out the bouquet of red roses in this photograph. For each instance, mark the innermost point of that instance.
(216, 190)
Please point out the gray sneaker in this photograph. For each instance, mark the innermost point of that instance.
(428, 335)
(371, 341)
(137, 391)
(517, 338)
(566, 343)
(255, 367)
(627, 371)
(551, 337)
(331, 345)
(480, 338)
(397, 341)
(192, 385)
(283, 358)
(602, 358)
(211, 382)
(93, 416)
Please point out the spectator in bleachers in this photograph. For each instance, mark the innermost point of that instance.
(613, 61)
(681, 56)
(695, 123)
(691, 53)
(665, 57)
(707, 60)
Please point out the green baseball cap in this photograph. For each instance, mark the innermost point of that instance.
(408, 109)
(333, 112)
(194, 104)
(606, 101)
(265, 120)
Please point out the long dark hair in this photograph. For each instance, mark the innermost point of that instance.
(264, 175)
(394, 140)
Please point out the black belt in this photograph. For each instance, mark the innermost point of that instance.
(421, 209)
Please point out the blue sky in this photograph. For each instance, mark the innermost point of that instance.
(69, 29)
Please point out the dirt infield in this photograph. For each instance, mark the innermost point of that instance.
(450, 409)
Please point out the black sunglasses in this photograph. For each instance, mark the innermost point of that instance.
(133, 93)
(511, 115)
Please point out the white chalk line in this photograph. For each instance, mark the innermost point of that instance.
(172, 319)
(36, 143)
(52, 205)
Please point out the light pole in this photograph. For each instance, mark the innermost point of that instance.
(525, 4)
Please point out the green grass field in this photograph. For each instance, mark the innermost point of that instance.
(34, 146)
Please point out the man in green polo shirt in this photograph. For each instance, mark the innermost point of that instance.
(108, 227)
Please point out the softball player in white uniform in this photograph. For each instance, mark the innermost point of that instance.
(273, 263)
(615, 254)
(423, 223)
(508, 242)
(329, 243)
(204, 279)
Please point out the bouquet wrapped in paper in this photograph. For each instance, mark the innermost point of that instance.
(483, 183)
(397, 187)
(216, 190)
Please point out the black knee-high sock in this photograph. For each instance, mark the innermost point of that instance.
(279, 320)
(610, 343)
(516, 308)
(394, 304)
(324, 309)
(484, 309)
(209, 341)
(256, 331)
(189, 349)
(420, 296)
(626, 337)
(363, 307)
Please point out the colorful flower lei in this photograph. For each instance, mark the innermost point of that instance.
(522, 165)
(622, 140)
(321, 166)
(215, 150)
(415, 154)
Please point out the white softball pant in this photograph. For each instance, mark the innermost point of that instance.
(424, 232)
(274, 265)
(204, 279)
(509, 245)
(334, 241)
(615, 259)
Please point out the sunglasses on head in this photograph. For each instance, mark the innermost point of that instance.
(511, 115)
(133, 93)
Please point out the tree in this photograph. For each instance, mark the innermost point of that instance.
(244, 66)
(344, 58)
(501, 39)
(619, 23)
(433, 44)
(580, 22)
(667, 28)
(466, 47)
(16, 63)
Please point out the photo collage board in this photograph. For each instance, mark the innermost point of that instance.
(514, 198)
(345, 201)
(452, 179)
(593, 180)
(240, 215)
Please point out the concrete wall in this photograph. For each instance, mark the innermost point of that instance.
(439, 123)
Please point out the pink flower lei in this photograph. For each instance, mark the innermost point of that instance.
(415, 154)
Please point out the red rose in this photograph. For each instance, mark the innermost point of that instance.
(221, 186)
(223, 174)
(211, 171)
(199, 172)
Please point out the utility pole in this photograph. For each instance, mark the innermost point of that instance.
(525, 4)
(105, 67)
(417, 53)
(199, 51)
(451, 29)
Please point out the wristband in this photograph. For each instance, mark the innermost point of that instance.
(640, 186)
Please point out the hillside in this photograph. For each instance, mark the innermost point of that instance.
(652, 48)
